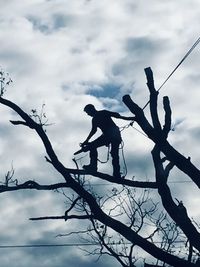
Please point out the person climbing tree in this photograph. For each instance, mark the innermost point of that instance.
(110, 136)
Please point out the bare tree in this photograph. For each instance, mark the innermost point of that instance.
(133, 219)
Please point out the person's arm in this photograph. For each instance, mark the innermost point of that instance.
(118, 116)
(127, 118)
(92, 132)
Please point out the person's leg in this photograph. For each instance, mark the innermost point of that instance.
(92, 147)
(115, 159)
(93, 160)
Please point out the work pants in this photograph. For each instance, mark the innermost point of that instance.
(105, 141)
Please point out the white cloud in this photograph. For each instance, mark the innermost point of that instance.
(68, 53)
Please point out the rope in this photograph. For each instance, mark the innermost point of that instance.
(107, 159)
(123, 157)
(131, 124)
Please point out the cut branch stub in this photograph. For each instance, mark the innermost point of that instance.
(168, 112)
(153, 100)
(150, 80)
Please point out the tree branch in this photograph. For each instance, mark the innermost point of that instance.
(167, 108)
(153, 99)
(171, 153)
(107, 245)
(72, 205)
(69, 217)
(181, 218)
(112, 179)
(32, 185)
(168, 168)
(19, 123)
(140, 117)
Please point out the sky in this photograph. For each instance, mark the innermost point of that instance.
(66, 54)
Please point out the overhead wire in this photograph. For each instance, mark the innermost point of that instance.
(171, 182)
(47, 245)
(67, 245)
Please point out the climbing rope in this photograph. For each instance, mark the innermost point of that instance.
(123, 157)
(107, 159)
(131, 124)
(124, 160)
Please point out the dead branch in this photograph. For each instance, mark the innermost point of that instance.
(153, 100)
(69, 217)
(32, 185)
(167, 109)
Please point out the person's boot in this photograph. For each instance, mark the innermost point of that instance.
(117, 174)
(90, 168)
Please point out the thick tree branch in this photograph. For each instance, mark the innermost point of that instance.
(153, 100)
(168, 168)
(176, 213)
(112, 179)
(171, 153)
(140, 117)
(32, 185)
(168, 112)
(65, 217)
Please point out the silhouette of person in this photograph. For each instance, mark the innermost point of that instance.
(111, 135)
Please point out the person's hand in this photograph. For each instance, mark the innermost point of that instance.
(83, 144)
(131, 123)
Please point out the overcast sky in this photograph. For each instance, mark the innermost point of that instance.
(66, 54)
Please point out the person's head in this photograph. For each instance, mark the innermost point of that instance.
(90, 110)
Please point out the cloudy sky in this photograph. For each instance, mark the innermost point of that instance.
(66, 54)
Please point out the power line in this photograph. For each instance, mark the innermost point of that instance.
(103, 184)
(68, 245)
(47, 245)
